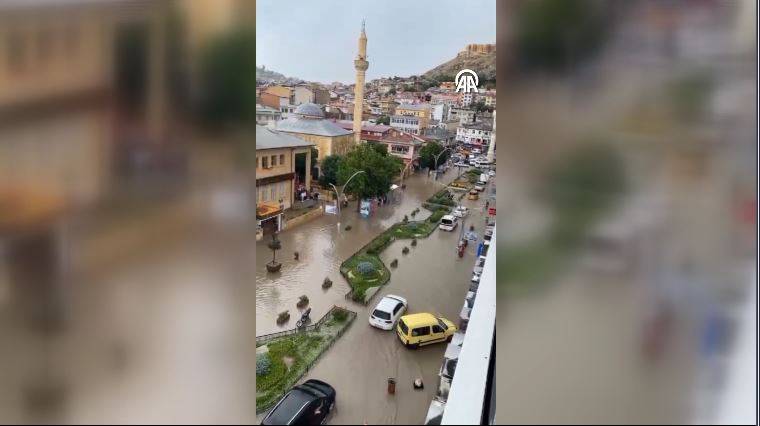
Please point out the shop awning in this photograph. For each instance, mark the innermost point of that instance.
(267, 210)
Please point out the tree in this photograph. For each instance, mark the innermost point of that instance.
(379, 172)
(392, 91)
(379, 147)
(428, 153)
(383, 119)
(330, 167)
(228, 78)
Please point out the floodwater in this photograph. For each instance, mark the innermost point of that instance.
(431, 277)
(322, 247)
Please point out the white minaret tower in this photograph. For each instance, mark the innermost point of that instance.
(361, 65)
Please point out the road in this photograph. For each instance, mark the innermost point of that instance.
(431, 277)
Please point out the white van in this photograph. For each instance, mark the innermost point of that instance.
(448, 223)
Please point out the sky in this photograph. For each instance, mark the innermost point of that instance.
(317, 40)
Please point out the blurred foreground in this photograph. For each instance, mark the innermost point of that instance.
(627, 191)
(125, 227)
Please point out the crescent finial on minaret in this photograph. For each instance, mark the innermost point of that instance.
(363, 24)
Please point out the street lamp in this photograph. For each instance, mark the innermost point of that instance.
(339, 193)
(436, 161)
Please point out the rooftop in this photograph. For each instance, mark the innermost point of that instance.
(414, 107)
(310, 126)
(270, 139)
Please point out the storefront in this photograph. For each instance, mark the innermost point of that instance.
(269, 218)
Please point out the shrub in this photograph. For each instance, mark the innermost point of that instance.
(405, 250)
(283, 317)
(414, 242)
(302, 301)
(406, 219)
(327, 283)
(437, 215)
(263, 364)
(348, 228)
(380, 243)
(394, 263)
(340, 315)
(366, 268)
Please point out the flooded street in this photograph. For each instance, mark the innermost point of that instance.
(431, 277)
(322, 246)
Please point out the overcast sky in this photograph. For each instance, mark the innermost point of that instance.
(317, 40)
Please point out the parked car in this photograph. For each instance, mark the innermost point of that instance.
(387, 312)
(487, 235)
(480, 187)
(473, 195)
(461, 164)
(448, 223)
(307, 404)
(460, 211)
(492, 173)
(464, 314)
(479, 264)
(424, 329)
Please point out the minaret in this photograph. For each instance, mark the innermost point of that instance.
(361, 65)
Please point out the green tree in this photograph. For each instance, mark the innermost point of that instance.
(330, 167)
(228, 78)
(379, 172)
(379, 147)
(383, 119)
(428, 153)
(392, 91)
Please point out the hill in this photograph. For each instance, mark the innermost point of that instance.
(484, 64)
(264, 74)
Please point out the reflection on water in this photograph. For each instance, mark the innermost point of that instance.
(323, 244)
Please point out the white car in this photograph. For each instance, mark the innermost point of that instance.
(387, 312)
(460, 211)
(448, 223)
(461, 164)
(469, 302)
(492, 173)
(480, 187)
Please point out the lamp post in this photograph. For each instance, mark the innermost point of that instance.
(339, 193)
(436, 161)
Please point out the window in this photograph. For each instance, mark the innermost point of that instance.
(282, 159)
(437, 329)
(265, 162)
(404, 329)
(274, 160)
(421, 331)
(397, 309)
(381, 314)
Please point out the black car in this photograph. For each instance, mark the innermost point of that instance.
(307, 404)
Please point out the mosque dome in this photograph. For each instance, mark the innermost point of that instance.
(309, 110)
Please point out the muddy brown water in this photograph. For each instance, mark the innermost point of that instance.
(431, 277)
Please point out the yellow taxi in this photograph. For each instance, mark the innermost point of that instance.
(424, 329)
